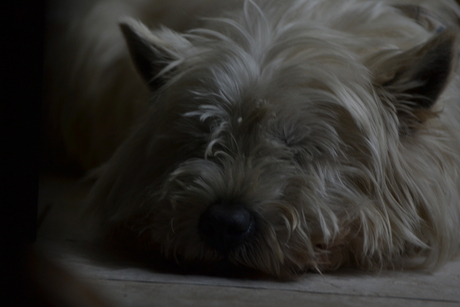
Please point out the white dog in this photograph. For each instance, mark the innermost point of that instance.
(283, 136)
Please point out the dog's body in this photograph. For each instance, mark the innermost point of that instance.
(281, 135)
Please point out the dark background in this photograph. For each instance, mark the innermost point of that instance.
(22, 50)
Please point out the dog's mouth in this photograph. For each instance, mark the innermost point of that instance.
(152, 257)
(230, 244)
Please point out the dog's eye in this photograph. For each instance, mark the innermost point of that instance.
(299, 148)
(306, 154)
(294, 139)
(288, 140)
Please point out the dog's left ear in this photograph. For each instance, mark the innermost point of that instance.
(416, 78)
(152, 51)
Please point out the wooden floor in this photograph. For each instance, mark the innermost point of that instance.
(119, 282)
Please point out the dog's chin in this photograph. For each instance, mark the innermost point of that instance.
(140, 250)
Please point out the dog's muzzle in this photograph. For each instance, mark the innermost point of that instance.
(224, 227)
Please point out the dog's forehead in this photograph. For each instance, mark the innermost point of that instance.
(306, 81)
(240, 68)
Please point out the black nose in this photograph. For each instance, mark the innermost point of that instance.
(226, 226)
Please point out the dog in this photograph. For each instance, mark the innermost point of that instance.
(281, 136)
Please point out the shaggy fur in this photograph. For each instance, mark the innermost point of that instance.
(332, 127)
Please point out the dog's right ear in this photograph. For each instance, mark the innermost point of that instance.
(152, 51)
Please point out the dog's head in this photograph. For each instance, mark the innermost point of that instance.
(282, 149)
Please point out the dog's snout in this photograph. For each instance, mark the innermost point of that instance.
(224, 227)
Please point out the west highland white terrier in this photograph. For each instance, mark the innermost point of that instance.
(282, 136)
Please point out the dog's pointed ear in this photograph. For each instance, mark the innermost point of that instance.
(417, 77)
(152, 51)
